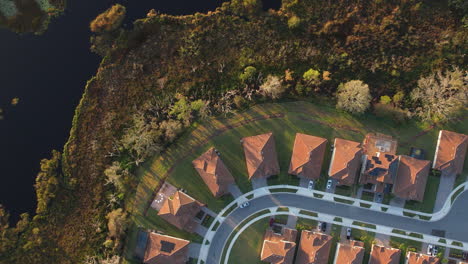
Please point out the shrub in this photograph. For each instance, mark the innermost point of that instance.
(109, 20)
(272, 87)
(385, 99)
(326, 76)
(311, 76)
(294, 22)
(398, 97)
(240, 101)
(388, 111)
(353, 96)
(116, 222)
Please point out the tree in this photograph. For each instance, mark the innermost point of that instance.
(272, 87)
(249, 74)
(116, 175)
(353, 96)
(171, 128)
(47, 181)
(109, 20)
(141, 139)
(441, 95)
(311, 76)
(185, 111)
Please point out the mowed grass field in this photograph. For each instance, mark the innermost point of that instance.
(248, 246)
(284, 120)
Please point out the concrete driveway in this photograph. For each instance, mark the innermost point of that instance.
(447, 181)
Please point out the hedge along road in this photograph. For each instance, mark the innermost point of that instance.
(455, 223)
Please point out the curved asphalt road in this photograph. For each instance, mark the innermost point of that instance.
(455, 223)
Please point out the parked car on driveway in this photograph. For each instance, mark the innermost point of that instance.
(311, 185)
(348, 233)
(329, 184)
(435, 250)
(429, 249)
(244, 205)
(322, 226)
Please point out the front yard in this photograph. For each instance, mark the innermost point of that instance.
(430, 195)
(248, 246)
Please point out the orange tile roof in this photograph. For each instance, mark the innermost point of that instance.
(411, 178)
(345, 162)
(279, 248)
(260, 156)
(450, 152)
(380, 162)
(165, 249)
(417, 258)
(352, 253)
(313, 248)
(384, 255)
(213, 172)
(307, 156)
(180, 210)
(377, 142)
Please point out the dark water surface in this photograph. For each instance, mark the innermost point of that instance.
(48, 73)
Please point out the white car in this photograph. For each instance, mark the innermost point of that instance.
(311, 185)
(244, 205)
(329, 184)
(348, 233)
(430, 248)
(435, 251)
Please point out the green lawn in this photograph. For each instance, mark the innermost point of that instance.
(335, 233)
(345, 190)
(405, 245)
(367, 238)
(281, 219)
(248, 246)
(306, 224)
(430, 196)
(367, 196)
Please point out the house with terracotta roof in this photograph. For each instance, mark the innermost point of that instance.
(165, 249)
(213, 172)
(349, 253)
(411, 178)
(260, 156)
(380, 163)
(307, 156)
(314, 247)
(180, 210)
(279, 245)
(345, 161)
(450, 152)
(418, 258)
(384, 255)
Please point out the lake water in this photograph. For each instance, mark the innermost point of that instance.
(48, 73)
